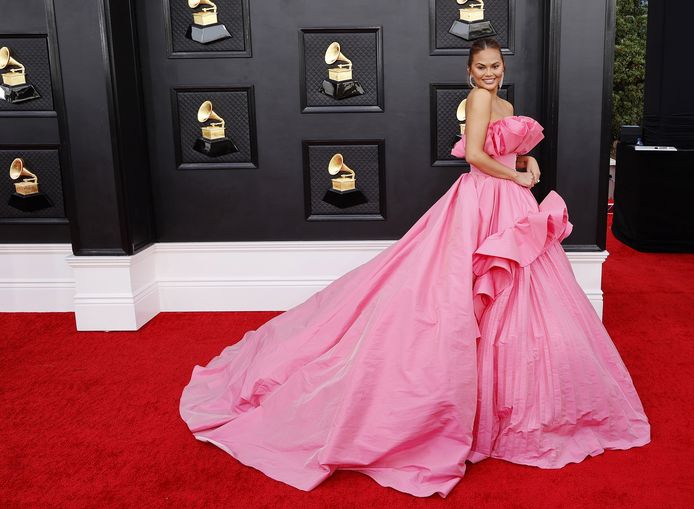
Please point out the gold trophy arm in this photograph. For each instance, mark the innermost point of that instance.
(347, 62)
(195, 3)
(348, 170)
(19, 69)
(219, 120)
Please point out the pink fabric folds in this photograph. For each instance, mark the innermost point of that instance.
(374, 373)
(515, 134)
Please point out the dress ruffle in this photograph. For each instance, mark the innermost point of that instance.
(495, 259)
(515, 134)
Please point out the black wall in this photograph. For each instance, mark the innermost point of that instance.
(117, 67)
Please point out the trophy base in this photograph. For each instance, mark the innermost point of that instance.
(342, 89)
(29, 202)
(18, 93)
(215, 148)
(205, 34)
(472, 30)
(344, 199)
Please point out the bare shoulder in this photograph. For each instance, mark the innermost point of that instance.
(478, 104)
(479, 95)
(508, 106)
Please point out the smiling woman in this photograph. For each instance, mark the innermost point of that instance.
(488, 68)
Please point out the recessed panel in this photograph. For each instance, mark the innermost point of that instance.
(33, 187)
(25, 79)
(452, 30)
(341, 69)
(344, 179)
(219, 30)
(214, 128)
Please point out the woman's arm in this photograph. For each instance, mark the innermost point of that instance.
(478, 111)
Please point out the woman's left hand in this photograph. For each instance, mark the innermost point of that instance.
(533, 168)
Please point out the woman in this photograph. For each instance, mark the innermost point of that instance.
(468, 338)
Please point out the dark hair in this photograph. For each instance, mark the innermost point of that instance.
(482, 44)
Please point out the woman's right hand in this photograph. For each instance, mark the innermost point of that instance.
(525, 179)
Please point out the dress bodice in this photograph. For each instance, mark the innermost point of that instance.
(506, 138)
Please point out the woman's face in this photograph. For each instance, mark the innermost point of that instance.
(487, 69)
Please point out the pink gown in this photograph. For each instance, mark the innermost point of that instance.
(466, 339)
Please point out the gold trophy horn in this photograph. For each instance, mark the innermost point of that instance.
(333, 54)
(14, 76)
(460, 115)
(215, 129)
(335, 166)
(205, 16)
(29, 183)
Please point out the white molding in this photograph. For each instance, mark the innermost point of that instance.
(253, 276)
(35, 277)
(124, 292)
(115, 292)
(587, 267)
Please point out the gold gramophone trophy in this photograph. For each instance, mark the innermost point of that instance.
(26, 197)
(460, 115)
(340, 83)
(472, 24)
(14, 87)
(213, 141)
(206, 28)
(343, 192)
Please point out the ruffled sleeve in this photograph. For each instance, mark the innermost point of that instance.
(517, 134)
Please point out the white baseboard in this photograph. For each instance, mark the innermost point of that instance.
(115, 292)
(253, 276)
(587, 267)
(124, 292)
(35, 277)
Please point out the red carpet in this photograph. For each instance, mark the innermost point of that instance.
(91, 419)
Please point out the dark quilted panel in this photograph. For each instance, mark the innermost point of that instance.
(363, 159)
(45, 164)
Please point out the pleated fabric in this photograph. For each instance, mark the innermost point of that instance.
(468, 338)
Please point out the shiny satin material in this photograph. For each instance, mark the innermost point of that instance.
(468, 338)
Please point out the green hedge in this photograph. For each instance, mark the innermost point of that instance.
(629, 64)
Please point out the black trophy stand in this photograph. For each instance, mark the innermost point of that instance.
(341, 89)
(29, 202)
(215, 148)
(205, 34)
(18, 93)
(344, 199)
(471, 30)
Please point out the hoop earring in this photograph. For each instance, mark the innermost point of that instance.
(501, 81)
(469, 80)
